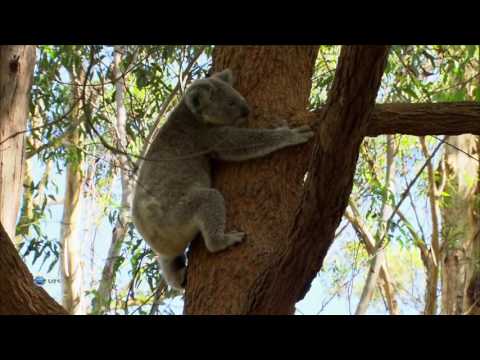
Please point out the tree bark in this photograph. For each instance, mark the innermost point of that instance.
(456, 228)
(273, 269)
(425, 119)
(260, 195)
(16, 72)
(472, 285)
(472, 273)
(460, 218)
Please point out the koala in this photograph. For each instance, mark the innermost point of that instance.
(174, 199)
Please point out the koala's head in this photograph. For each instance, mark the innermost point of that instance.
(216, 102)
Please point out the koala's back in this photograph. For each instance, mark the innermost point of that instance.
(171, 170)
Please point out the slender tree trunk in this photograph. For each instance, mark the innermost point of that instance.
(71, 271)
(285, 245)
(387, 285)
(103, 295)
(379, 257)
(70, 257)
(430, 256)
(16, 70)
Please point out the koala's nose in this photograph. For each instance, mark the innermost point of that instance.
(245, 111)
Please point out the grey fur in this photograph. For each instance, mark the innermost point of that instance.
(174, 199)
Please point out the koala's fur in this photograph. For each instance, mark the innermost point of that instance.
(174, 199)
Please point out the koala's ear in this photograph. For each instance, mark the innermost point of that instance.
(225, 75)
(198, 96)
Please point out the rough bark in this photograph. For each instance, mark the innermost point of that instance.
(273, 269)
(16, 71)
(260, 195)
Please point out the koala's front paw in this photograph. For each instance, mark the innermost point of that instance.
(301, 134)
(179, 280)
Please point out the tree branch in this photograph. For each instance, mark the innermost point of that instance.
(425, 119)
(353, 216)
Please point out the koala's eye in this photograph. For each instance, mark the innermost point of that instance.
(196, 101)
(231, 103)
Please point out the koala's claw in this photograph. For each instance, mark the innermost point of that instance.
(228, 240)
(234, 238)
(302, 134)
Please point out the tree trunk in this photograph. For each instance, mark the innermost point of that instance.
(460, 219)
(472, 280)
(103, 295)
(16, 70)
(18, 292)
(285, 245)
(456, 229)
(472, 285)
(70, 257)
(430, 255)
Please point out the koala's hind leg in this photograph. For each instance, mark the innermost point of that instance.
(208, 214)
(174, 270)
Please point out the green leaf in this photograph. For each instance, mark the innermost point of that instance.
(37, 229)
(411, 92)
(471, 50)
(476, 93)
(50, 267)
